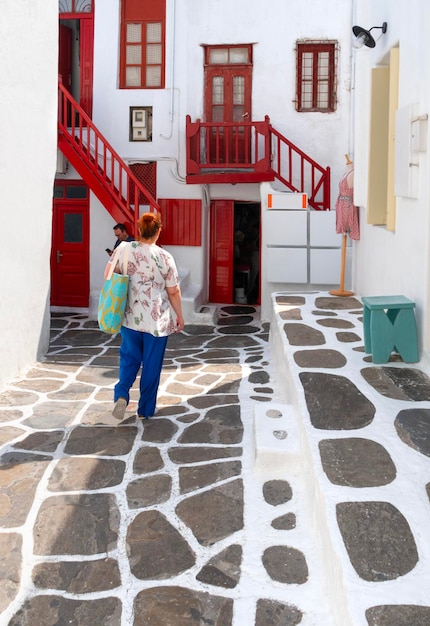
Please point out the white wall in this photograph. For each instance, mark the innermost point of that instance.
(395, 262)
(28, 137)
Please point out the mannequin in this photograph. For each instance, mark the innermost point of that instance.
(346, 219)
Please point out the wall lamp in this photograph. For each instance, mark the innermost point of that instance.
(363, 36)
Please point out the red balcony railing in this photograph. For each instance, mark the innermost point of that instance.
(107, 175)
(229, 152)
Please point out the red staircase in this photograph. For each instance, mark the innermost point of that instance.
(100, 166)
(253, 152)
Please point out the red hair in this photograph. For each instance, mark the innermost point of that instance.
(149, 224)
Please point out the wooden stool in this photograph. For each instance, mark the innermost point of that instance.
(389, 324)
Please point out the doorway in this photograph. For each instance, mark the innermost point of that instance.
(70, 251)
(75, 58)
(234, 268)
(228, 89)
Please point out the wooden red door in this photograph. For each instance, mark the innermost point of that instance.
(76, 47)
(70, 282)
(86, 68)
(221, 251)
(228, 99)
(65, 56)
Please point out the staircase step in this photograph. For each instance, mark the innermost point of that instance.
(193, 307)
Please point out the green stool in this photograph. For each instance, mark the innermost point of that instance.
(389, 324)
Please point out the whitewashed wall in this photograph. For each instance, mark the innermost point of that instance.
(28, 137)
(395, 262)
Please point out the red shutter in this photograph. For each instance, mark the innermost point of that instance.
(182, 222)
(86, 78)
(221, 252)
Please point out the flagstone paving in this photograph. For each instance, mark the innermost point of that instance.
(172, 522)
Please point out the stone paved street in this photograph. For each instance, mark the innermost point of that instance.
(284, 479)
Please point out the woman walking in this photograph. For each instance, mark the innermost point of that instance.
(153, 312)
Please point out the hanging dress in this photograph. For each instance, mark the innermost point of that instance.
(346, 212)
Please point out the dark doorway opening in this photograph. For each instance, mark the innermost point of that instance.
(246, 262)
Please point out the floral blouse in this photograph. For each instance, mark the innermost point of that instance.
(151, 269)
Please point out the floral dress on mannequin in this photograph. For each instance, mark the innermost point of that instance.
(346, 212)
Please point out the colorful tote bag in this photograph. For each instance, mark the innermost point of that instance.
(113, 296)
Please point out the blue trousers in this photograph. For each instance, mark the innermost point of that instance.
(137, 350)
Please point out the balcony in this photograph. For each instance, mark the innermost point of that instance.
(253, 152)
(228, 152)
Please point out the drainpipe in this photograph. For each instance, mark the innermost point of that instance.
(172, 71)
(352, 89)
(172, 77)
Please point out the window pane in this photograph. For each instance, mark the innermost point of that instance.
(72, 228)
(133, 77)
(134, 33)
(58, 191)
(153, 33)
(76, 191)
(65, 6)
(133, 55)
(239, 55)
(217, 90)
(153, 76)
(307, 64)
(218, 55)
(218, 114)
(323, 66)
(323, 95)
(153, 53)
(306, 96)
(238, 89)
(83, 6)
(75, 6)
(238, 112)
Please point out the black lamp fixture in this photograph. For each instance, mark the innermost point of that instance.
(364, 38)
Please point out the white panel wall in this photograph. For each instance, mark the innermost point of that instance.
(300, 247)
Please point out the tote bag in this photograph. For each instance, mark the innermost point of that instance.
(113, 296)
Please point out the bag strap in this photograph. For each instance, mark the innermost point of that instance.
(111, 264)
(125, 260)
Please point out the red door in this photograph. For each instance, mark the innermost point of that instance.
(228, 99)
(65, 56)
(76, 57)
(221, 251)
(70, 283)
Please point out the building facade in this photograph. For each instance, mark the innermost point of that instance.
(206, 112)
(233, 120)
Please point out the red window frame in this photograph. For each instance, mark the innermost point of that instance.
(316, 77)
(143, 15)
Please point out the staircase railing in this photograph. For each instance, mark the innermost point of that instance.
(299, 172)
(108, 176)
(243, 151)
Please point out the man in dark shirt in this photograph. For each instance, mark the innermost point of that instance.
(121, 234)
